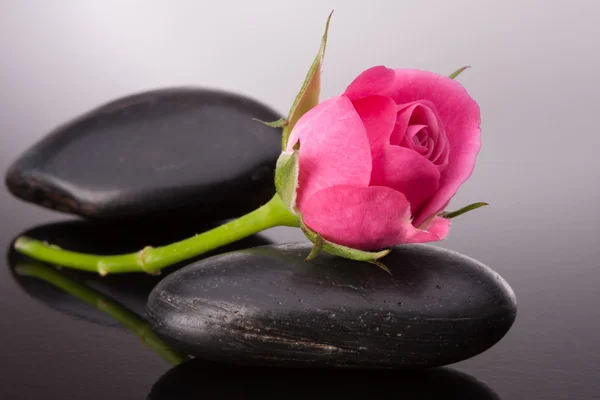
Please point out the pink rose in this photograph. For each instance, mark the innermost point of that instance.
(378, 163)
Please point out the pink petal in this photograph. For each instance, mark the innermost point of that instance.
(438, 230)
(426, 114)
(362, 218)
(334, 148)
(461, 119)
(373, 81)
(402, 119)
(378, 114)
(408, 140)
(411, 118)
(406, 171)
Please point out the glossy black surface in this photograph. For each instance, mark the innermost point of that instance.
(268, 306)
(167, 153)
(551, 352)
(195, 377)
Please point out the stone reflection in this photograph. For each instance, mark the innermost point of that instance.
(117, 300)
(112, 309)
(203, 379)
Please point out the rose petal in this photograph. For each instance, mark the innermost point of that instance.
(411, 118)
(334, 148)
(409, 137)
(406, 171)
(362, 218)
(378, 114)
(426, 114)
(402, 120)
(461, 119)
(438, 230)
(377, 80)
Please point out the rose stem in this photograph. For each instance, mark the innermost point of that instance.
(127, 318)
(152, 260)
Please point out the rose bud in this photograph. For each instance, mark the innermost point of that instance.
(378, 164)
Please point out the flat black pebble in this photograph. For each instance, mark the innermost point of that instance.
(268, 306)
(169, 153)
(198, 378)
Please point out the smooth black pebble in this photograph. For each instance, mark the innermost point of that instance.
(197, 377)
(269, 306)
(169, 153)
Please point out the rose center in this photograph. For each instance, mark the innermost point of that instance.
(424, 133)
(420, 138)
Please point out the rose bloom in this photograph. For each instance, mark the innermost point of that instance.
(378, 163)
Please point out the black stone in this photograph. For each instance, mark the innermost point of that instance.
(202, 379)
(268, 306)
(170, 153)
(129, 290)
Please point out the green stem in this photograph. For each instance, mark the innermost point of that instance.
(128, 319)
(152, 260)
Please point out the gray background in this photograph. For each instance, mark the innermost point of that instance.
(535, 67)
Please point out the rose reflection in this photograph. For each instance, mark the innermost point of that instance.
(130, 320)
(118, 300)
(130, 290)
(204, 379)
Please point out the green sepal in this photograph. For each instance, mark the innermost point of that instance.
(382, 266)
(343, 251)
(470, 207)
(457, 72)
(318, 247)
(308, 97)
(286, 178)
(280, 123)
